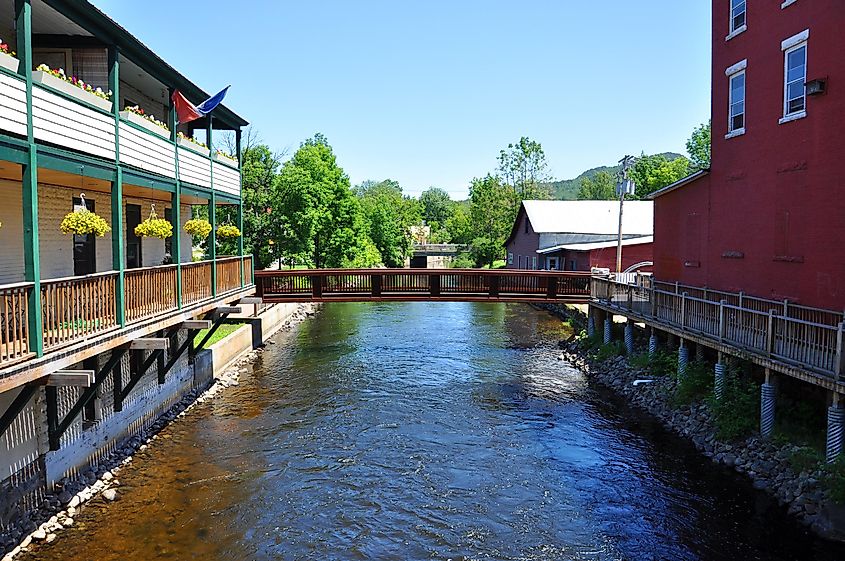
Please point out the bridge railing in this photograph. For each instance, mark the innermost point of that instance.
(771, 330)
(422, 284)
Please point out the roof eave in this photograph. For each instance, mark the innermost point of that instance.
(678, 184)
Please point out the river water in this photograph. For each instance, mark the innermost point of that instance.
(427, 431)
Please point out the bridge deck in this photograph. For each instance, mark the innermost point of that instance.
(441, 285)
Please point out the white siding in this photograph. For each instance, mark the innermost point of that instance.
(12, 105)
(72, 125)
(194, 168)
(226, 179)
(146, 151)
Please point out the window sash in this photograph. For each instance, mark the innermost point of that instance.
(737, 14)
(736, 101)
(794, 78)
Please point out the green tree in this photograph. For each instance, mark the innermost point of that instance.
(259, 171)
(390, 216)
(492, 212)
(459, 226)
(437, 208)
(651, 173)
(602, 186)
(523, 166)
(698, 147)
(321, 223)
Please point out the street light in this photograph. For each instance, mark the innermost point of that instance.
(624, 186)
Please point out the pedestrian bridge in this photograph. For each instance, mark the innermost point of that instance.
(437, 285)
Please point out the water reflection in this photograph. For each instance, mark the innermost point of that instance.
(428, 431)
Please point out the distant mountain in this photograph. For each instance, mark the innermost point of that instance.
(567, 189)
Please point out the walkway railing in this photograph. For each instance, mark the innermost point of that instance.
(766, 328)
(76, 308)
(422, 284)
(150, 291)
(14, 322)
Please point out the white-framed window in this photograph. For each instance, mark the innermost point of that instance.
(794, 78)
(534, 262)
(510, 258)
(738, 17)
(736, 103)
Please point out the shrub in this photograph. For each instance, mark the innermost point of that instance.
(805, 458)
(610, 350)
(694, 385)
(737, 413)
(84, 222)
(834, 479)
(198, 227)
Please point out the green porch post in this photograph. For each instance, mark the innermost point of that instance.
(118, 244)
(176, 205)
(29, 183)
(240, 205)
(212, 208)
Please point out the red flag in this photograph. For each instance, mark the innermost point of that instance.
(185, 110)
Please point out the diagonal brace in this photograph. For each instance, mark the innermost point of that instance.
(217, 322)
(59, 428)
(17, 406)
(136, 377)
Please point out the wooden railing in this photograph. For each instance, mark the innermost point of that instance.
(196, 282)
(422, 284)
(14, 329)
(228, 274)
(150, 291)
(737, 320)
(75, 308)
(249, 278)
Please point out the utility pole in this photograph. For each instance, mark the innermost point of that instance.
(623, 186)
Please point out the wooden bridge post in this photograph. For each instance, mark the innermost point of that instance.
(494, 286)
(316, 286)
(434, 285)
(839, 365)
(770, 332)
(551, 287)
(683, 309)
(375, 284)
(722, 319)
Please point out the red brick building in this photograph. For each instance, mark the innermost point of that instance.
(769, 217)
(578, 235)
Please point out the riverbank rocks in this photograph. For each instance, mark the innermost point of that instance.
(765, 463)
(42, 523)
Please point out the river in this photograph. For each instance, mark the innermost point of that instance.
(427, 431)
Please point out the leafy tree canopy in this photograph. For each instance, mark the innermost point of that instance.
(601, 186)
(698, 147)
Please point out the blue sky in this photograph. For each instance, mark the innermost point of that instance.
(428, 92)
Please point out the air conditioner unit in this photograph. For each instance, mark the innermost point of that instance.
(816, 87)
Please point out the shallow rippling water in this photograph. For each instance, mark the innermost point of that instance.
(427, 431)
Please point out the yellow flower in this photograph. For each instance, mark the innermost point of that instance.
(198, 227)
(84, 222)
(228, 231)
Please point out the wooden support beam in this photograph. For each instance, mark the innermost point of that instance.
(55, 428)
(195, 324)
(79, 378)
(17, 406)
(149, 344)
(251, 300)
(227, 310)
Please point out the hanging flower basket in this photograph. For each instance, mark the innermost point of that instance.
(198, 227)
(82, 222)
(154, 227)
(228, 231)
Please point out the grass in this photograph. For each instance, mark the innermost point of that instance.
(222, 332)
(497, 264)
(834, 479)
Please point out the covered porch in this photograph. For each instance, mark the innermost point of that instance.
(73, 288)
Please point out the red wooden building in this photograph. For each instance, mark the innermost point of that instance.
(769, 217)
(578, 235)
